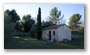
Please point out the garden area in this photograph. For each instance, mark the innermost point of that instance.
(26, 32)
(32, 43)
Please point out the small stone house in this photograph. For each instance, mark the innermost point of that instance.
(56, 33)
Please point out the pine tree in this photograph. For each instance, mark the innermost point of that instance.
(55, 15)
(75, 21)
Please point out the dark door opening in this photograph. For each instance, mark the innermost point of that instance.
(49, 35)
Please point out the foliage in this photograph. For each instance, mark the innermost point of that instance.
(9, 27)
(7, 18)
(39, 27)
(74, 21)
(26, 18)
(46, 24)
(19, 26)
(27, 22)
(14, 16)
(33, 31)
(55, 15)
(81, 29)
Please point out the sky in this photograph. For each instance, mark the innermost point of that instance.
(66, 9)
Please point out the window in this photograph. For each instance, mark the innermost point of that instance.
(53, 32)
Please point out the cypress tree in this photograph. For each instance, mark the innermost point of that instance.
(39, 27)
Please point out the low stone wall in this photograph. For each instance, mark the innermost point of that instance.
(76, 35)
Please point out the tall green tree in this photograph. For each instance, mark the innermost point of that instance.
(14, 16)
(9, 28)
(39, 27)
(75, 21)
(27, 22)
(55, 15)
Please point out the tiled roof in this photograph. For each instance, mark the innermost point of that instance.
(53, 27)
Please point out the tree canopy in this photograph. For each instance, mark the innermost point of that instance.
(55, 15)
(75, 21)
(26, 17)
(27, 22)
(14, 16)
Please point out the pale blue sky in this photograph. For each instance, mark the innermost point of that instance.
(67, 9)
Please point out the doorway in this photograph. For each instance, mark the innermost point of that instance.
(49, 35)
